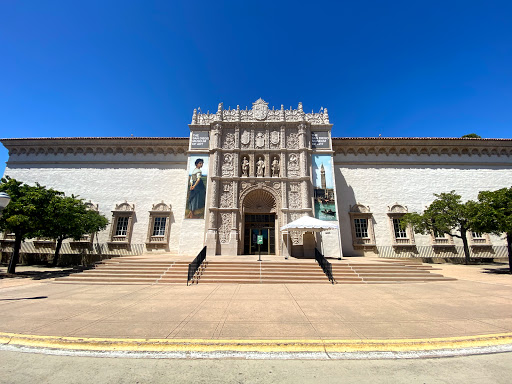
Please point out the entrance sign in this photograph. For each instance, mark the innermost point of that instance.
(199, 140)
(320, 140)
(260, 239)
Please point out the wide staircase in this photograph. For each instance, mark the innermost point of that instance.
(263, 272)
(145, 270)
(385, 272)
(131, 270)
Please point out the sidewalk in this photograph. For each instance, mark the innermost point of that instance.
(478, 304)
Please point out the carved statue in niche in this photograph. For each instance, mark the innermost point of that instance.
(245, 166)
(260, 167)
(275, 167)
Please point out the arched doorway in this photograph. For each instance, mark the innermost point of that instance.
(259, 219)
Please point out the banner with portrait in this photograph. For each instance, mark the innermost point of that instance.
(197, 168)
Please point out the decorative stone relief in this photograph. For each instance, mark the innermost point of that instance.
(294, 198)
(295, 236)
(226, 197)
(229, 141)
(245, 138)
(293, 165)
(275, 138)
(227, 165)
(245, 185)
(259, 112)
(259, 141)
(260, 109)
(277, 185)
(292, 141)
(225, 227)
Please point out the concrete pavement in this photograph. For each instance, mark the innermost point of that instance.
(473, 311)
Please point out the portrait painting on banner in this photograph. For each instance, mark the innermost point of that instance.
(196, 186)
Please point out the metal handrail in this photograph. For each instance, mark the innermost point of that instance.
(325, 265)
(194, 266)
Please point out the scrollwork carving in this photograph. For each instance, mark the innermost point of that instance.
(224, 228)
(229, 141)
(227, 165)
(294, 196)
(293, 165)
(226, 197)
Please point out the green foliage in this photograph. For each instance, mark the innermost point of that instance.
(68, 217)
(35, 211)
(471, 136)
(25, 214)
(495, 215)
(447, 214)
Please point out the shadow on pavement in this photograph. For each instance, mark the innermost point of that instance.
(43, 275)
(497, 271)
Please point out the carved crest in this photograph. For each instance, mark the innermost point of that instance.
(245, 137)
(260, 109)
(274, 137)
(260, 140)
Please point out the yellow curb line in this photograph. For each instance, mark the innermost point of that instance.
(209, 345)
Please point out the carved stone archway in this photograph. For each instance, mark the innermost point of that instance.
(258, 200)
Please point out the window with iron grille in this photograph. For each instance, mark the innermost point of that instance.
(399, 232)
(361, 227)
(159, 226)
(122, 226)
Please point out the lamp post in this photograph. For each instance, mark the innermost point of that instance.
(4, 200)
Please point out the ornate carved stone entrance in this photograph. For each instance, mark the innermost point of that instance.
(259, 172)
(259, 218)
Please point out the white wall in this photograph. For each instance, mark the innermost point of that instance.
(108, 180)
(380, 183)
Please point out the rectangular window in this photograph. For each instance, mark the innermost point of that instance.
(122, 226)
(361, 226)
(159, 226)
(399, 232)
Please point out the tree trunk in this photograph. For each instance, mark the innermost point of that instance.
(15, 254)
(509, 246)
(467, 255)
(57, 251)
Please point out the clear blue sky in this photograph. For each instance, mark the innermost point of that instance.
(395, 68)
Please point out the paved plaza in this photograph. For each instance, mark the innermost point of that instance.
(477, 304)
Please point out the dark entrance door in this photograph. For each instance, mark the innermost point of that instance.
(264, 225)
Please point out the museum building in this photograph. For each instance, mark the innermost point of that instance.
(243, 174)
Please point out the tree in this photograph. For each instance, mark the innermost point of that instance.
(471, 136)
(448, 215)
(25, 214)
(69, 217)
(495, 216)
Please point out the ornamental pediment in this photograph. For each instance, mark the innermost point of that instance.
(260, 112)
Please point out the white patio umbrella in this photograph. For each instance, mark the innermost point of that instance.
(309, 224)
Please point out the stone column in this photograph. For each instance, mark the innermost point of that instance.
(212, 233)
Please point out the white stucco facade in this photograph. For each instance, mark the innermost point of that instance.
(374, 178)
